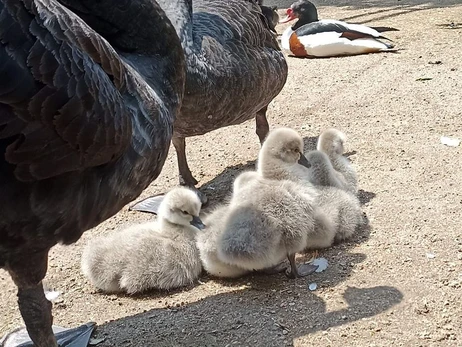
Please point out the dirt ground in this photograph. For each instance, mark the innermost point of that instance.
(397, 283)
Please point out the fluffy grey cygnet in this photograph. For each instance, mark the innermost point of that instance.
(338, 212)
(281, 157)
(160, 255)
(207, 243)
(267, 221)
(321, 171)
(338, 215)
(331, 142)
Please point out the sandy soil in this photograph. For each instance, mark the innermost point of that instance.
(397, 283)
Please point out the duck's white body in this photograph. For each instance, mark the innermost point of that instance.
(331, 43)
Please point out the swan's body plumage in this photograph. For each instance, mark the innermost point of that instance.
(234, 68)
(84, 128)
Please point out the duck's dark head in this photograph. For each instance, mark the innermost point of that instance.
(304, 10)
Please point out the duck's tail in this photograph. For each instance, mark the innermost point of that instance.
(384, 29)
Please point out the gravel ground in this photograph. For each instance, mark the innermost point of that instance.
(397, 283)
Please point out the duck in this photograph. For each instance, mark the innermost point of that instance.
(267, 222)
(158, 255)
(85, 127)
(312, 37)
(235, 68)
(332, 142)
(338, 211)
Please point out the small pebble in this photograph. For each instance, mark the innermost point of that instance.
(312, 286)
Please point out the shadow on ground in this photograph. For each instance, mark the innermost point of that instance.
(262, 315)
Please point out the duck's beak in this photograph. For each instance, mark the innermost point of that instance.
(303, 161)
(197, 222)
(290, 16)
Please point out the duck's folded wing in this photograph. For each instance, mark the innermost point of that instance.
(61, 107)
(350, 31)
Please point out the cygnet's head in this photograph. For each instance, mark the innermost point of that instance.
(181, 206)
(243, 179)
(283, 145)
(331, 141)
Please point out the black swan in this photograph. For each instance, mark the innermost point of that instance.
(85, 127)
(234, 69)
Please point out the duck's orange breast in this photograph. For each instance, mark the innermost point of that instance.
(296, 47)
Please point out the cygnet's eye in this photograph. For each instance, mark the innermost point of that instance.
(184, 212)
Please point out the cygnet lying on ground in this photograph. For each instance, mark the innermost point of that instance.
(338, 212)
(267, 221)
(160, 255)
(331, 142)
(207, 243)
(338, 215)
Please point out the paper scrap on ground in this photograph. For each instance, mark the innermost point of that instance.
(52, 295)
(321, 263)
(450, 141)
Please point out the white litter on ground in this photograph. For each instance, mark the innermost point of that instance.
(322, 264)
(312, 286)
(52, 295)
(450, 141)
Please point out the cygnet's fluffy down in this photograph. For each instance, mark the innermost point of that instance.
(338, 212)
(338, 215)
(281, 157)
(267, 221)
(331, 142)
(321, 171)
(160, 255)
(207, 243)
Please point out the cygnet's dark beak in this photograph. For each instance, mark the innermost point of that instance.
(303, 161)
(197, 222)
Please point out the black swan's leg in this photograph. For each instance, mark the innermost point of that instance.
(27, 273)
(262, 126)
(186, 177)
